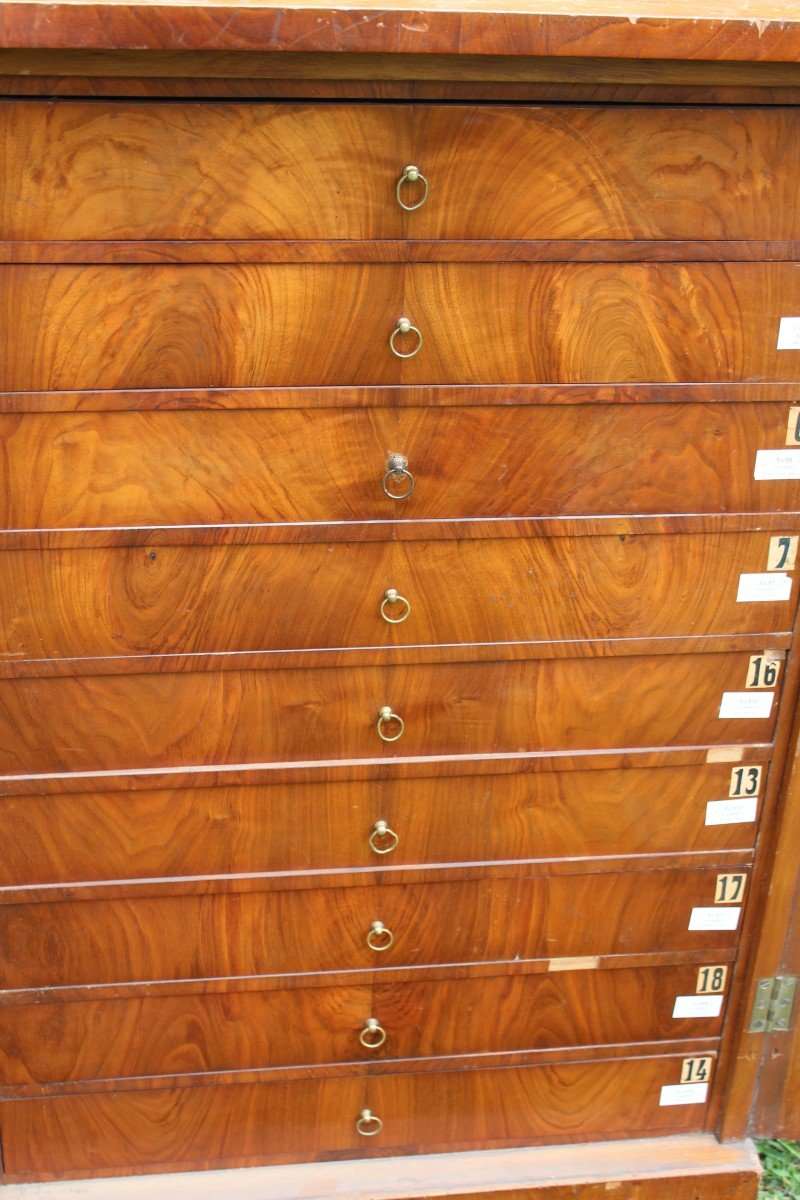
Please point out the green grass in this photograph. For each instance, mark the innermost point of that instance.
(781, 1161)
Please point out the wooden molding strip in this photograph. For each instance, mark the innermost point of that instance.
(574, 28)
(539, 1172)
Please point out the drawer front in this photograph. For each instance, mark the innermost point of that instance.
(317, 826)
(228, 171)
(187, 1034)
(318, 324)
(159, 600)
(327, 929)
(172, 468)
(111, 723)
(445, 1110)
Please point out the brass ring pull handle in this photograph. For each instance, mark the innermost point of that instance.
(397, 472)
(391, 597)
(373, 1035)
(411, 174)
(385, 717)
(380, 831)
(403, 327)
(379, 938)
(368, 1124)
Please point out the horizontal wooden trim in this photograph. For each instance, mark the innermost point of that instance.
(588, 28)
(696, 1163)
(409, 530)
(389, 1066)
(358, 656)
(326, 979)
(396, 396)
(379, 768)
(394, 251)
(215, 885)
(202, 87)
(116, 67)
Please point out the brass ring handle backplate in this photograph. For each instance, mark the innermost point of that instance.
(373, 1035)
(391, 597)
(379, 938)
(397, 472)
(402, 328)
(386, 717)
(368, 1124)
(411, 174)
(381, 830)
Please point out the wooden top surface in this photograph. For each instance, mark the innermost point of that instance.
(731, 30)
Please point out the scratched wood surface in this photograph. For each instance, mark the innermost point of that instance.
(314, 324)
(217, 934)
(122, 171)
(101, 835)
(166, 1129)
(110, 604)
(591, 29)
(127, 722)
(191, 1034)
(259, 466)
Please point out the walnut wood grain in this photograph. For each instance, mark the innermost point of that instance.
(166, 1128)
(198, 936)
(281, 171)
(317, 324)
(111, 723)
(192, 1034)
(176, 600)
(277, 466)
(395, 251)
(100, 835)
(591, 29)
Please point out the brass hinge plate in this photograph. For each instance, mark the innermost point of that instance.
(772, 1007)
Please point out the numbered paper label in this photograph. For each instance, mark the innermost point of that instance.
(696, 1070)
(782, 552)
(730, 888)
(789, 333)
(777, 464)
(711, 979)
(745, 781)
(761, 587)
(746, 704)
(732, 812)
(697, 1006)
(763, 671)
(683, 1093)
(711, 919)
(793, 427)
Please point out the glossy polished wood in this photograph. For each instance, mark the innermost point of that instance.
(276, 466)
(279, 1121)
(159, 600)
(326, 826)
(315, 324)
(325, 929)
(329, 171)
(190, 1034)
(590, 28)
(128, 722)
(692, 1165)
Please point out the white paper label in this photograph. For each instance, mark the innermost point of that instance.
(777, 464)
(746, 704)
(789, 333)
(732, 812)
(683, 1093)
(697, 1006)
(714, 918)
(773, 585)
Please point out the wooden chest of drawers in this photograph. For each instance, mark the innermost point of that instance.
(399, 521)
